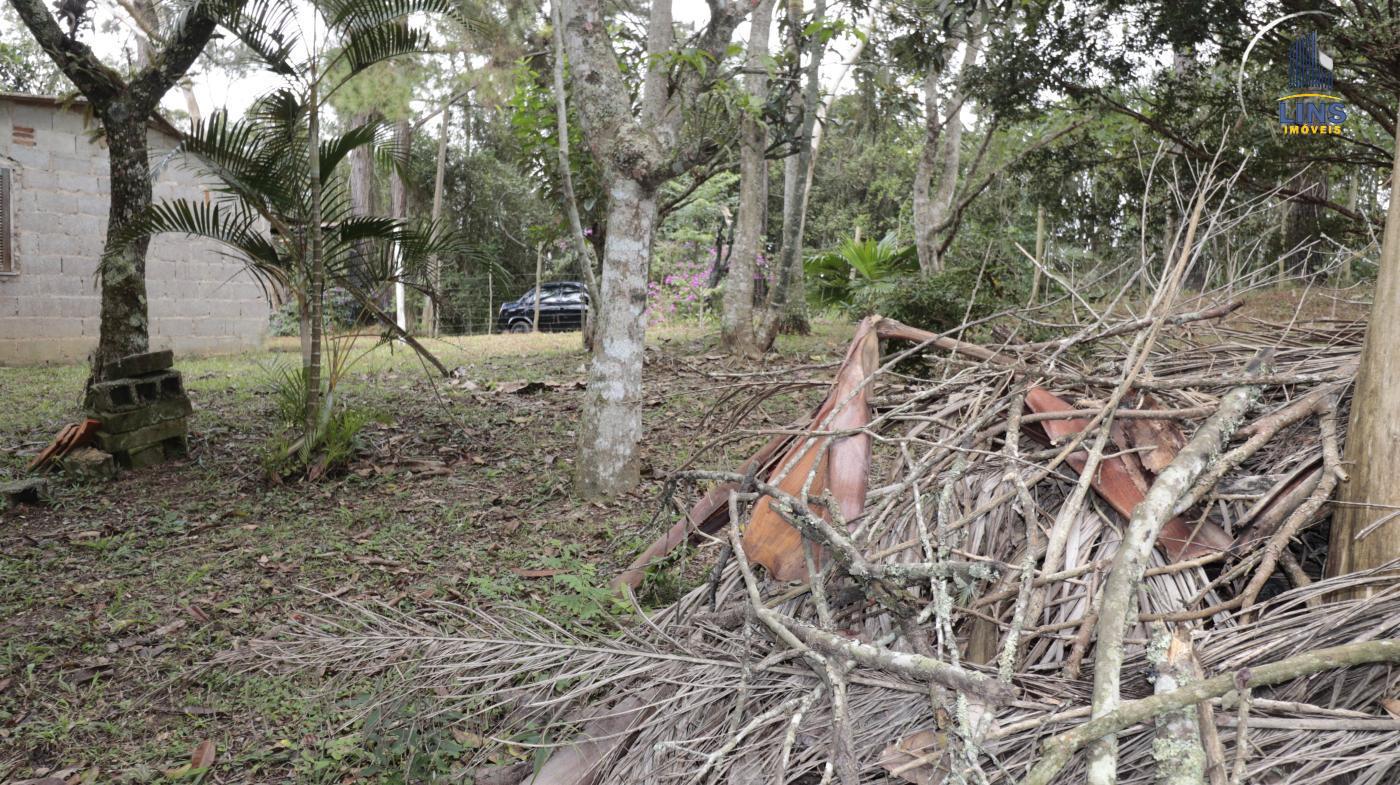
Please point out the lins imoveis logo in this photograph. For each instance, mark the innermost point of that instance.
(1310, 110)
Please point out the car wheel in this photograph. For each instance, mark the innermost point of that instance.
(520, 326)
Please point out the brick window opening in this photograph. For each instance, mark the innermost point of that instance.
(7, 235)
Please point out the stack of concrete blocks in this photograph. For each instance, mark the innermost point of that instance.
(143, 409)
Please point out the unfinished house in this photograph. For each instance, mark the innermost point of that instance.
(53, 220)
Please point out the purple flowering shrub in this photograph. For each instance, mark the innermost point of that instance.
(683, 289)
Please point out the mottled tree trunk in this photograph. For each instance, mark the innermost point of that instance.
(736, 321)
(1373, 438)
(611, 424)
(638, 153)
(942, 154)
(789, 296)
(1039, 252)
(124, 316)
(924, 239)
(584, 252)
(124, 108)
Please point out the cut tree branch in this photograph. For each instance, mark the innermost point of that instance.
(1057, 751)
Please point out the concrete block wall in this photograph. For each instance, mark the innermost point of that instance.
(200, 301)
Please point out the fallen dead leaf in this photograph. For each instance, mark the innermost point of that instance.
(200, 759)
(536, 573)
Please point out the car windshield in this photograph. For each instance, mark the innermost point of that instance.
(552, 294)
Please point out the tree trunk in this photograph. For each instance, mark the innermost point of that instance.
(362, 195)
(1039, 252)
(539, 273)
(1305, 221)
(611, 424)
(942, 154)
(398, 208)
(787, 297)
(311, 361)
(1372, 449)
(124, 315)
(1353, 199)
(736, 321)
(584, 252)
(429, 325)
(924, 240)
(638, 154)
(790, 295)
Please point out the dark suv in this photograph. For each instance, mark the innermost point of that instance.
(562, 307)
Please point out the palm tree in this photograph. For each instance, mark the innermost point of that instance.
(280, 206)
(835, 276)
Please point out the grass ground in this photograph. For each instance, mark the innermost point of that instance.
(115, 599)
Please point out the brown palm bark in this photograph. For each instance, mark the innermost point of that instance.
(1369, 496)
(124, 108)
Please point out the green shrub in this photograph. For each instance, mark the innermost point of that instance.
(941, 301)
(338, 436)
(342, 312)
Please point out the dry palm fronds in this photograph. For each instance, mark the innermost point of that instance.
(947, 542)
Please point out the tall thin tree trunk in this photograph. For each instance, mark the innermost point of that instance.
(362, 197)
(584, 251)
(823, 110)
(924, 240)
(317, 284)
(736, 320)
(937, 202)
(1039, 252)
(398, 208)
(1305, 220)
(1372, 449)
(539, 274)
(1353, 199)
(610, 426)
(429, 324)
(790, 295)
(124, 315)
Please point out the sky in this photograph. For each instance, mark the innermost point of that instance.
(215, 88)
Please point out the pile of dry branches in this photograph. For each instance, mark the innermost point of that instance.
(1094, 557)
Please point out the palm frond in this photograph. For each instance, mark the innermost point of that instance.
(363, 48)
(246, 160)
(231, 225)
(268, 27)
(335, 149)
(356, 15)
